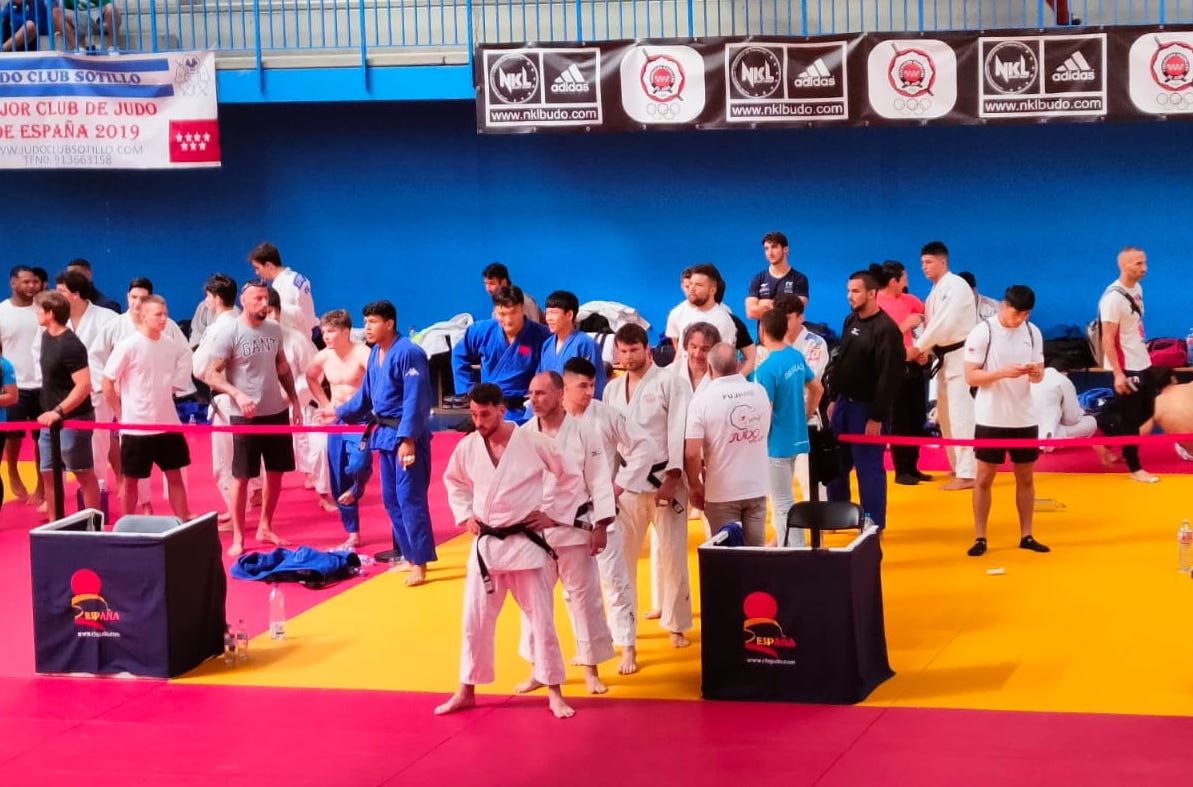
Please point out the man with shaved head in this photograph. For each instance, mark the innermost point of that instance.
(725, 447)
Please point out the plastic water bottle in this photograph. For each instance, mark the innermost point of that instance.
(242, 641)
(277, 613)
(869, 522)
(1189, 348)
(1184, 547)
(229, 646)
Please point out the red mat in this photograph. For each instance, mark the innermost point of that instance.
(298, 518)
(97, 732)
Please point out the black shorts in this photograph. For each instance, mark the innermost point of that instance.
(140, 452)
(249, 449)
(27, 408)
(995, 456)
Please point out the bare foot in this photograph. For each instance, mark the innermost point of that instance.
(461, 700)
(957, 484)
(146, 509)
(327, 505)
(35, 500)
(308, 481)
(349, 544)
(418, 576)
(592, 681)
(271, 537)
(1144, 477)
(653, 614)
(558, 707)
(678, 640)
(43, 507)
(1107, 456)
(629, 661)
(18, 487)
(237, 548)
(346, 499)
(528, 685)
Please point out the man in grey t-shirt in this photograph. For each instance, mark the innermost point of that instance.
(248, 365)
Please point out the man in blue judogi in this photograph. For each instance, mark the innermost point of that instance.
(395, 398)
(566, 341)
(507, 348)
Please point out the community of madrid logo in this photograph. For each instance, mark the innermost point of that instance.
(662, 77)
(764, 635)
(91, 609)
(1172, 65)
(912, 72)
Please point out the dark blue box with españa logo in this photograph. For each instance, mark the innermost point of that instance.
(794, 625)
(148, 600)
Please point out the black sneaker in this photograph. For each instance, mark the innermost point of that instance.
(978, 549)
(1027, 542)
(907, 479)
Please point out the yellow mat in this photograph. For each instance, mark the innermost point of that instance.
(1102, 624)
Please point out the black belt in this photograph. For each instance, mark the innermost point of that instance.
(371, 426)
(651, 476)
(501, 534)
(940, 351)
(580, 512)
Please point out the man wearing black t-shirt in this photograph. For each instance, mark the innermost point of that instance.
(864, 379)
(65, 393)
(779, 278)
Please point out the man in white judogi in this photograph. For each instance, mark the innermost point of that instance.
(651, 476)
(950, 313)
(576, 546)
(579, 388)
(495, 487)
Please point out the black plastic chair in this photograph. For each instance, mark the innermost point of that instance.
(819, 516)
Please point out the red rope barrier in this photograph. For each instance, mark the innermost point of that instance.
(1055, 442)
(24, 426)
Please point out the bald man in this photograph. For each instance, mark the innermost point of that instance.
(1174, 412)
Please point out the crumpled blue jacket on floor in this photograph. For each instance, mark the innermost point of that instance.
(312, 567)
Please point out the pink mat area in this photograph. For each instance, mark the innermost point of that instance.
(106, 732)
(298, 518)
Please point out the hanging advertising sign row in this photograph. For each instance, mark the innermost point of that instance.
(1117, 74)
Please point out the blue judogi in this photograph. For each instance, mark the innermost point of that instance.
(349, 469)
(508, 365)
(576, 344)
(396, 393)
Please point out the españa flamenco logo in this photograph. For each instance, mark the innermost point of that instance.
(92, 613)
(766, 642)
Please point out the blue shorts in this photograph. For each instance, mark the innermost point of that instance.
(76, 448)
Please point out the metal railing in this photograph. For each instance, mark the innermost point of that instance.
(264, 28)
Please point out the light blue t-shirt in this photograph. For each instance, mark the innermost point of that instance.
(784, 374)
(7, 377)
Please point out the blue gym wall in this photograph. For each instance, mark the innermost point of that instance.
(406, 201)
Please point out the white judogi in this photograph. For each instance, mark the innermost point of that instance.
(576, 568)
(620, 597)
(502, 496)
(1058, 412)
(310, 448)
(950, 313)
(298, 307)
(655, 431)
(89, 329)
(221, 407)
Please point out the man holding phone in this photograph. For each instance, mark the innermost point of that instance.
(1004, 356)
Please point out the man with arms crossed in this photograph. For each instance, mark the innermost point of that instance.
(395, 398)
(134, 387)
(577, 546)
(950, 313)
(342, 363)
(579, 389)
(248, 364)
(495, 487)
(779, 278)
(1004, 355)
(653, 490)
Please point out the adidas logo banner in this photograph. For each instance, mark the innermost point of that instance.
(1058, 73)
